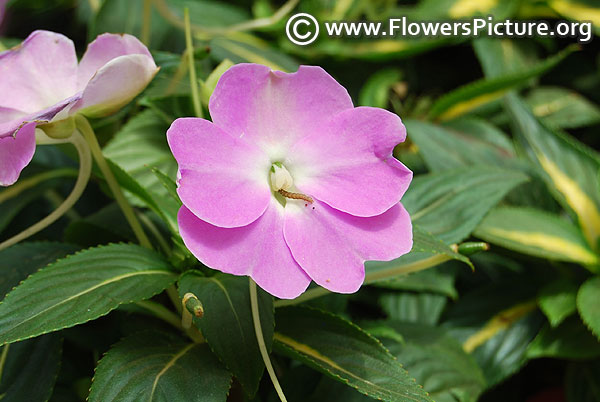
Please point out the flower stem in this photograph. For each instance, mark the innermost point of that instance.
(261, 340)
(85, 169)
(146, 22)
(371, 277)
(189, 50)
(88, 133)
(30, 182)
(160, 311)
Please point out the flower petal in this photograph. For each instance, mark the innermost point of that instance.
(258, 250)
(16, 153)
(40, 72)
(348, 163)
(105, 48)
(272, 108)
(331, 246)
(116, 84)
(12, 120)
(223, 180)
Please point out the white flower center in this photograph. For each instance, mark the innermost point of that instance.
(281, 179)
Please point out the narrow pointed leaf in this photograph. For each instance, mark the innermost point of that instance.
(569, 167)
(451, 204)
(537, 233)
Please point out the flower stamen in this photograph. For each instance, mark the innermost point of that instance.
(295, 196)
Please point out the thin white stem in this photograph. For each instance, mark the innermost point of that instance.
(261, 340)
(85, 169)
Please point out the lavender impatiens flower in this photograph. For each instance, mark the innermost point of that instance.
(290, 182)
(41, 83)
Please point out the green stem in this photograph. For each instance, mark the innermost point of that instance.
(261, 340)
(174, 296)
(146, 22)
(376, 276)
(30, 182)
(88, 133)
(85, 169)
(147, 222)
(160, 311)
(3, 359)
(189, 50)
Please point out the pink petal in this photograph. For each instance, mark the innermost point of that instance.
(116, 84)
(16, 153)
(105, 48)
(331, 246)
(224, 180)
(349, 165)
(38, 73)
(274, 109)
(11, 120)
(258, 250)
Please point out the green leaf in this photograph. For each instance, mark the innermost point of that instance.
(562, 108)
(140, 146)
(227, 323)
(462, 142)
(558, 300)
(451, 204)
(375, 91)
(29, 368)
(535, 232)
(587, 304)
(21, 260)
(15, 198)
(126, 17)
(582, 382)
(501, 57)
(378, 49)
(427, 251)
(165, 207)
(245, 48)
(81, 287)
(438, 362)
(578, 10)
(569, 168)
(208, 86)
(495, 324)
(431, 280)
(421, 308)
(471, 96)
(460, 9)
(570, 340)
(346, 353)
(154, 366)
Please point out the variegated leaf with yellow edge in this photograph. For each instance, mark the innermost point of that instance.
(537, 233)
(569, 168)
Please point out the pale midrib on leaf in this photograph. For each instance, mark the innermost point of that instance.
(169, 364)
(310, 352)
(99, 285)
(237, 318)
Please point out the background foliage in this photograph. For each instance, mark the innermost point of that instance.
(503, 139)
